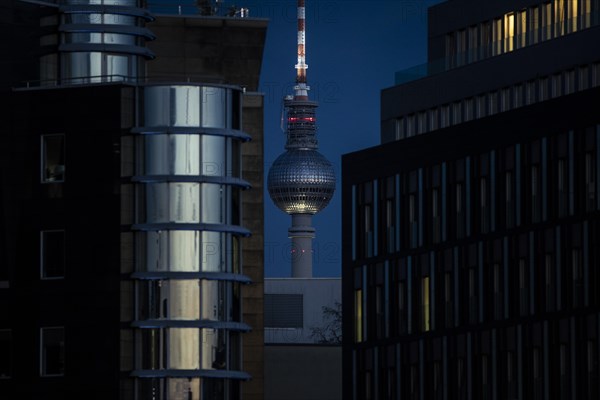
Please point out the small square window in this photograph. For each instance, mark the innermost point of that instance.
(53, 158)
(52, 252)
(5, 354)
(52, 355)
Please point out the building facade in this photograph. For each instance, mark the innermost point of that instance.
(123, 222)
(470, 239)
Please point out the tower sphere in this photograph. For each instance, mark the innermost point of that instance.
(301, 181)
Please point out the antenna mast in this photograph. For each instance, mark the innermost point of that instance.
(301, 88)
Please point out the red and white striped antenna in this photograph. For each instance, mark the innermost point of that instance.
(301, 88)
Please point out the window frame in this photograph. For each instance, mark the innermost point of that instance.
(42, 359)
(44, 176)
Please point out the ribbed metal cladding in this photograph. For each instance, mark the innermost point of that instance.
(187, 180)
(96, 41)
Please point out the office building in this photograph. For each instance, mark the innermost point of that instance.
(123, 215)
(470, 234)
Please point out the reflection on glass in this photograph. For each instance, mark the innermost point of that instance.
(184, 347)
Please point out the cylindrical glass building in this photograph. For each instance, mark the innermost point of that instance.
(186, 227)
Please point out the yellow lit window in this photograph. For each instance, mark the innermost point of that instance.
(426, 310)
(509, 31)
(358, 315)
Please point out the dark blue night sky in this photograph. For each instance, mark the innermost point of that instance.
(353, 50)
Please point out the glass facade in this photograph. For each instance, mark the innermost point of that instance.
(183, 162)
(525, 252)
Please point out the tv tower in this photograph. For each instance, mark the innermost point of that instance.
(301, 181)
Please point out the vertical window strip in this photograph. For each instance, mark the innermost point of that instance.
(354, 227)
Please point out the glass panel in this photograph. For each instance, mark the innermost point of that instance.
(53, 158)
(184, 348)
(185, 154)
(184, 389)
(53, 351)
(184, 298)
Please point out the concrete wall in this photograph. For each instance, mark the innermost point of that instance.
(317, 292)
(300, 372)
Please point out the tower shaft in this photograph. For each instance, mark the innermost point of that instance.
(302, 233)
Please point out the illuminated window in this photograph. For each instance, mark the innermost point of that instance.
(547, 21)
(425, 302)
(560, 16)
(53, 158)
(52, 352)
(509, 32)
(586, 11)
(358, 315)
(497, 37)
(573, 15)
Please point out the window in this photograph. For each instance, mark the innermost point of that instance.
(509, 32)
(484, 214)
(590, 181)
(497, 39)
(52, 352)
(492, 103)
(445, 115)
(547, 21)
(583, 78)
(536, 206)
(523, 287)
(5, 353)
(570, 81)
(530, 93)
(411, 125)
(543, 89)
(52, 246)
(505, 99)
(497, 292)
(562, 188)
(480, 111)
(422, 122)
(400, 131)
(518, 96)
(510, 212)
(53, 158)
(468, 103)
(534, 25)
(549, 282)
(433, 119)
(358, 315)
(456, 113)
(472, 296)
(556, 85)
(426, 316)
(448, 299)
